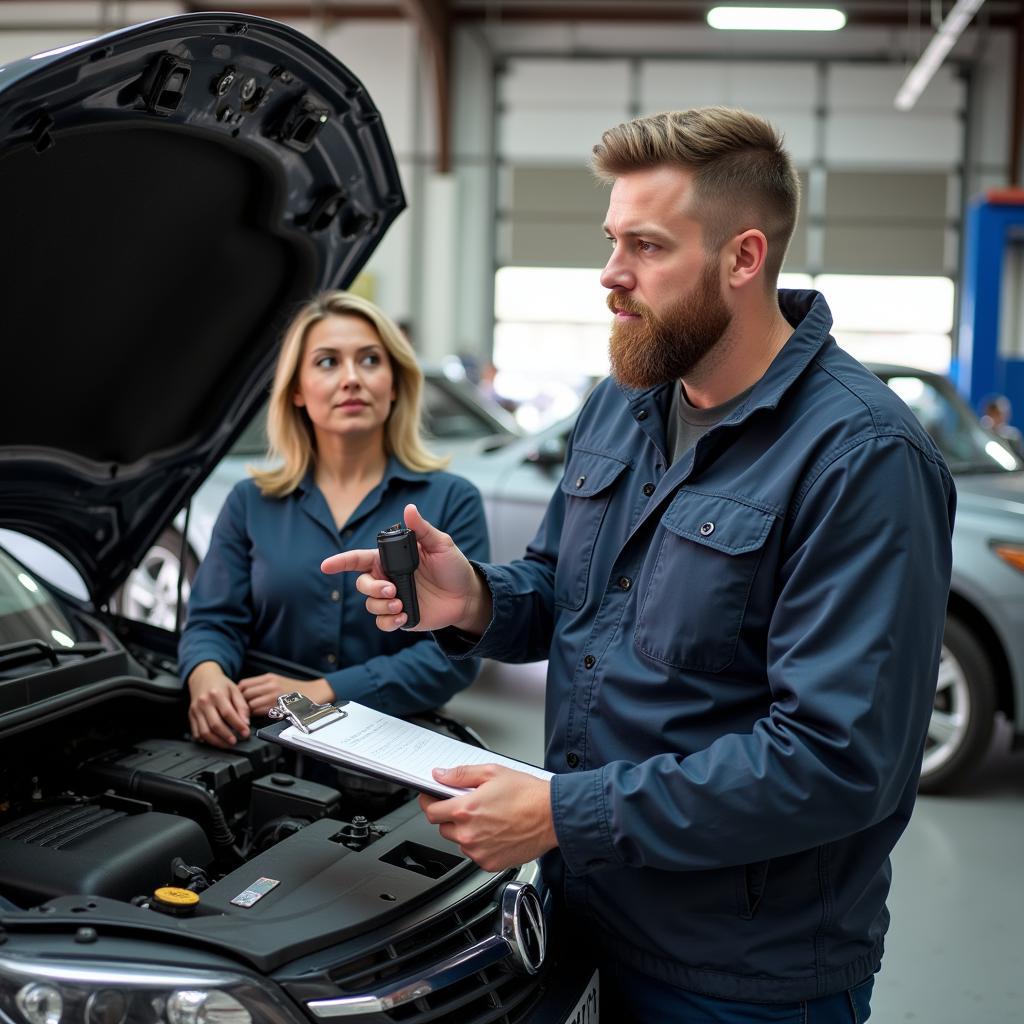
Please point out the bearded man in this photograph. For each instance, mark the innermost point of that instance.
(740, 586)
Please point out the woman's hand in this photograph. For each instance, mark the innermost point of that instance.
(218, 713)
(261, 692)
(448, 589)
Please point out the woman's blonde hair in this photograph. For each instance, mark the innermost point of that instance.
(289, 429)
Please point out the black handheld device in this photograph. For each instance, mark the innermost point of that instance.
(399, 557)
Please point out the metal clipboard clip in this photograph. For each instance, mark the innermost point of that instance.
(304, 714)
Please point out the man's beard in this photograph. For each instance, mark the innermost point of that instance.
(654, 350)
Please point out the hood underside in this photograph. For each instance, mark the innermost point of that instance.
(172, 193)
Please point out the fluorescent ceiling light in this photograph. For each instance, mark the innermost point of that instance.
(935, 53)
(777, 19)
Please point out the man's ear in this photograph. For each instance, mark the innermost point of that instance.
(748, 253)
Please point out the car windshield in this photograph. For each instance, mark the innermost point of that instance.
(27, 611)
(966, 445)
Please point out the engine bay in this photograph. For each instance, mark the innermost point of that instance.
(108, 809)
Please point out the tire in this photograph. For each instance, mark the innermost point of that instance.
(150, 593)
(963, 715)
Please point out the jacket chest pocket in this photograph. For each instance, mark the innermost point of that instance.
(586, 488)
(696, 587)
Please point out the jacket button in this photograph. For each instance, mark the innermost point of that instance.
(706, 529)
(642, 414)
(330, 659)
(335, 595)
(589, 661)
(625, 583)
(572, 759)
(580, 481)
(648, 489)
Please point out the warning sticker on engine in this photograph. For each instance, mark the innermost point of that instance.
(255, 892)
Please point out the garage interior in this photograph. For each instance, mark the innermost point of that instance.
(492, 107)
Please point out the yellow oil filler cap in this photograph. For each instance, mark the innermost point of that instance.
(173, 900)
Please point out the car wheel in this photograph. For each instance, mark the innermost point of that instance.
(150, 594)
(962, 719)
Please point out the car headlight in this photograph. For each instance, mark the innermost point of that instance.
(36, 991)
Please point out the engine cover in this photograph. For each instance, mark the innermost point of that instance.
(94, 850)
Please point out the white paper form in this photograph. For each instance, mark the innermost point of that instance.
(399, 750)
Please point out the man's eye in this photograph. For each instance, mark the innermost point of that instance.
(611, 240)
(645, 246)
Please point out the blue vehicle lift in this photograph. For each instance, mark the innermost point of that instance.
(979, 369)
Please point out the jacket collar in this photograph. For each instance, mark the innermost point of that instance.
(808, 312)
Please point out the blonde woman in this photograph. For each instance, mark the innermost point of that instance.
(343, 423)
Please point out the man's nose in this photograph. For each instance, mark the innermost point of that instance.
(616, 274)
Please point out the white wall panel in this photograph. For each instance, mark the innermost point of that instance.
(565, 83)
(757, 85)
(43, 12)
(383, 56)
(15, 45)
(799, 131)
(391, 263)
(874, 86)
(555, 136)
(893, 140)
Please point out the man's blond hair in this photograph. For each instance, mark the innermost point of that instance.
(743, 177)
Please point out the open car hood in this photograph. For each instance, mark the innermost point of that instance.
(171, 193)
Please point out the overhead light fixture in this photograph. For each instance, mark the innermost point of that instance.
(777, 19)
(935, 52)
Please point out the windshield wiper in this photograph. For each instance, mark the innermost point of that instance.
(25, 652)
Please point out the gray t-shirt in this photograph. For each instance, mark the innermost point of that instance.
(687, 424)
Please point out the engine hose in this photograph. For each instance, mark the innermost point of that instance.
(166, 791)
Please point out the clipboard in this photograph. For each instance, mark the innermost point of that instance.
(378, 744)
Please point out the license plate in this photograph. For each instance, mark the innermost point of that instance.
(586, 1011)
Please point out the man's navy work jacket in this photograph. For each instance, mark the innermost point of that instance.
(743, 653)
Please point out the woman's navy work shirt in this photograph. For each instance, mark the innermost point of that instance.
(260, 588)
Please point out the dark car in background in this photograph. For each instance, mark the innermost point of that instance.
(982, 667)
(172, 191)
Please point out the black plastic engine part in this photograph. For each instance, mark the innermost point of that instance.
(68, 848)
(281, 795)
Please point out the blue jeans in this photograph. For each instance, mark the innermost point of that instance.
(628, 997)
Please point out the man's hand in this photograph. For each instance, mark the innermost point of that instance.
(505, 821)
(449, 591)
(218, 712)
(261, 692)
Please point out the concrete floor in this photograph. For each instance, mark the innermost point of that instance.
(955, 949)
